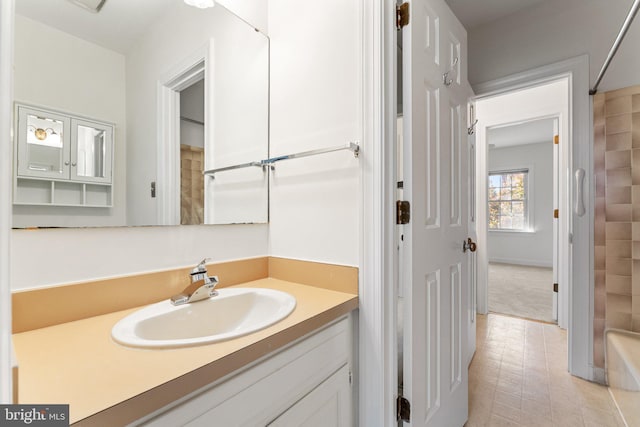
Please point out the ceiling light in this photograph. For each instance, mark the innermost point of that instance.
(40, 133)
(201, 4)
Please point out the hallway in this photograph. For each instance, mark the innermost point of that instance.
(519, 377)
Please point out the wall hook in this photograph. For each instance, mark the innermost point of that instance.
(472, 129)
(472, 118)
(445, 77)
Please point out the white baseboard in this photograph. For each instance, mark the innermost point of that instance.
(527, 262)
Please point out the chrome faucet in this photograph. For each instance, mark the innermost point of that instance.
(202, 286)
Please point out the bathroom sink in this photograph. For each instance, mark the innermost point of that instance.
(230, 314)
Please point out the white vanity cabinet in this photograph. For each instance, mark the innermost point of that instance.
(309, 383)
(62, 159)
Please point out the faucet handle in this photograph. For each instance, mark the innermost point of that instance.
(211, 282)
(202, 267)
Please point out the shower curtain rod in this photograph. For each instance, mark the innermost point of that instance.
(616, 44)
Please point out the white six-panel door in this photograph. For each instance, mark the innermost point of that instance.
(436, 287)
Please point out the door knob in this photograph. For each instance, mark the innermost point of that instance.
(469, 245)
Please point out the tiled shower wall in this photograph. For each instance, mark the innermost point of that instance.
(617, 215)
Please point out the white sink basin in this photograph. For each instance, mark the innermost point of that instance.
(230, 314)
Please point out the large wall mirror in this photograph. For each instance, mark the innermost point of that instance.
(175, 89)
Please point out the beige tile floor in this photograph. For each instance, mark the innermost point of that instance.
(518, 377)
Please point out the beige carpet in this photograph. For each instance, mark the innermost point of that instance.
(521, 291)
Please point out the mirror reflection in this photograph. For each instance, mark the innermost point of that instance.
(91, 152)
(192, 154)
(144, 96)
(44, 144)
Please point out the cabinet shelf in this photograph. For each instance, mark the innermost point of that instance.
(37, 178)
(45, 192)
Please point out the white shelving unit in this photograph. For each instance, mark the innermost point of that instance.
(68, 171)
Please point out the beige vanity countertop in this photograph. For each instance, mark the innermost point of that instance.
(78, 363)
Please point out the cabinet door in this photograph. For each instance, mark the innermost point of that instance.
(43, 143)
(271, 388)
(328, 405)
(91, 151)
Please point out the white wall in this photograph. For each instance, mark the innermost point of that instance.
(192, 102)
(62, 256)
(241, 125)
(552, 31)
(535, 247)
(316, 79)
(191, 134)
(57, 70)
(192, 107)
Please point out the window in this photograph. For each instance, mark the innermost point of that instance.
(508, 200)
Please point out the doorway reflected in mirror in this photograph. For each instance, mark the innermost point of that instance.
(192, 154)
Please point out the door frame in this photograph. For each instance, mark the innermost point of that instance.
(581, 288)
(555, 309)
(180, 76)
(377, 353)
(559, 257)
(7, 388)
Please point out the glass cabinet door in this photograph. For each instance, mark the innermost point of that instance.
(43, 144)
(92, 151)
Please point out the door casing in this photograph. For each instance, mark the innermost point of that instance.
(580, 233)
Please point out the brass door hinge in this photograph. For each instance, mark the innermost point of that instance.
(402, 15)
(556, 139)
(403, 212)
(556, 213)
(403, 409)
(555, 287)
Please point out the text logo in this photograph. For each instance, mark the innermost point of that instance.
(34, 415)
